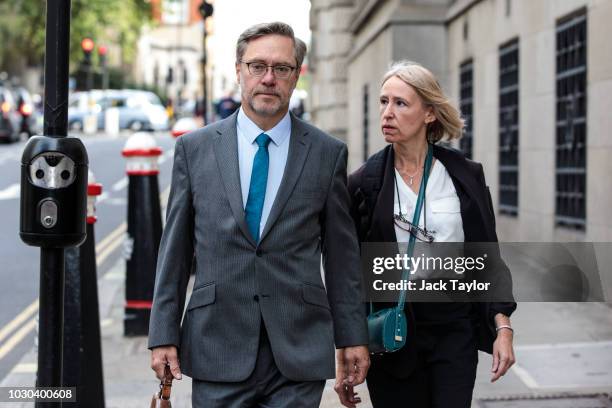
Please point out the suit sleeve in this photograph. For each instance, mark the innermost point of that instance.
(358, 207)
(175, 257)
(342, 262)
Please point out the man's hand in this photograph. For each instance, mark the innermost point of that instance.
(162, 356)
(352, 365)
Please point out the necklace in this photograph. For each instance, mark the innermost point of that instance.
(411, 177)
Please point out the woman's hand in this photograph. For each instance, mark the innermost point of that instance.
(503, 352)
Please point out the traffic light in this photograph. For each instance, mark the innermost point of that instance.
(102, 51)
(206, 9)
(87, 45)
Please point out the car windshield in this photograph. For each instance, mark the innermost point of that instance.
(153, 99)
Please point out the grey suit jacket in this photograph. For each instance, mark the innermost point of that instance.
(239, 284)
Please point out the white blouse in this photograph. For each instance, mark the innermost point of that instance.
(441, 204)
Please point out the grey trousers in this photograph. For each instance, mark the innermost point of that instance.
(266, 387)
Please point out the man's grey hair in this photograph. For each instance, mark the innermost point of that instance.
(278, 28)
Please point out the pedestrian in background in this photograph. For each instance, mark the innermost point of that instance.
(437, 365)
(226, 106)
(256, 199)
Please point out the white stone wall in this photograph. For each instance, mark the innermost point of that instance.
(362, 71)
(156, 47)
(534, 22)
(331, 43)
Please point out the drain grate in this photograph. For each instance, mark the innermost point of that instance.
(548, 401)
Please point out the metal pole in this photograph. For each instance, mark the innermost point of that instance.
(90, 77)
(105, 78)
(56, 68)
(50, 321)
(51, 310)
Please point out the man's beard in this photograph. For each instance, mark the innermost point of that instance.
(267, 109)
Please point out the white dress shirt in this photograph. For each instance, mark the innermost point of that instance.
(441, 205)
(278, 150)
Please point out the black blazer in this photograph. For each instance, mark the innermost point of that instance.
(478, 226)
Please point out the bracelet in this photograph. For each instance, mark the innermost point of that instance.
(498, 328)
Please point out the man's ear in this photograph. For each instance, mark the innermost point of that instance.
(238, 72)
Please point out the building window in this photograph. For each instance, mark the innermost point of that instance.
(365, 122)
(571, 113)
(508, 127)
(466, 77)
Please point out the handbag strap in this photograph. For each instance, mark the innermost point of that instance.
(415, 221)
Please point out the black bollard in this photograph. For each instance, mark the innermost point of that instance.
(82, 365)
(144, 231)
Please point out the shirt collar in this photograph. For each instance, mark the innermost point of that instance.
(250, 130)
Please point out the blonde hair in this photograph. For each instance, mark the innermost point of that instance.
(448, 121)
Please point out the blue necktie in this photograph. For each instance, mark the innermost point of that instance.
(257, 188)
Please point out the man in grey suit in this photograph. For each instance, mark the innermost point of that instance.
(256, 199)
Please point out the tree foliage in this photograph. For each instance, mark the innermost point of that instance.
(22, 29)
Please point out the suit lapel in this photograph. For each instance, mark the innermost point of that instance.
(226, 152)
(299, 145)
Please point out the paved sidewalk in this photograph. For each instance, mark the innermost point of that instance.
(563, 349)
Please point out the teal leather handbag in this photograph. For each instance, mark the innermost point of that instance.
(387, 327)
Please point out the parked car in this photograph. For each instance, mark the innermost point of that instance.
(82, 104)
(10, 119)
(138, 110)
(28, 112)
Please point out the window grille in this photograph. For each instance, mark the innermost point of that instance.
(466, 75)
(508, 127)
(366, 122)
(571, 129)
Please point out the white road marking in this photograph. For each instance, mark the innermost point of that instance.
(11, 192)
(120, 185)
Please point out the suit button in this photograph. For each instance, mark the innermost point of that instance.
(256, 298)
(259, 252)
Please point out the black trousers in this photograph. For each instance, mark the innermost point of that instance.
(444, 375)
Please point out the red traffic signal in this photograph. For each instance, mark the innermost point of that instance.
(87, 44)
(102, 50)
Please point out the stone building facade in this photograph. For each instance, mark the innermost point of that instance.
(532, 78)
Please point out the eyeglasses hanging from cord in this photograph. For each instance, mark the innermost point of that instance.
(400, 220)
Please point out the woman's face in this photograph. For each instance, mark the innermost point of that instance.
(403, 116)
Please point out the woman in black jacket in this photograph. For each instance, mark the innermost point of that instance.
(437, 366)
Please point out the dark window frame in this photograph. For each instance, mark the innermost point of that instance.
(466, 105)
(571, 121)
(509, 103)
(366, 121)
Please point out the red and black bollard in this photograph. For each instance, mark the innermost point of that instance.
(82, 357)
(144, 231)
